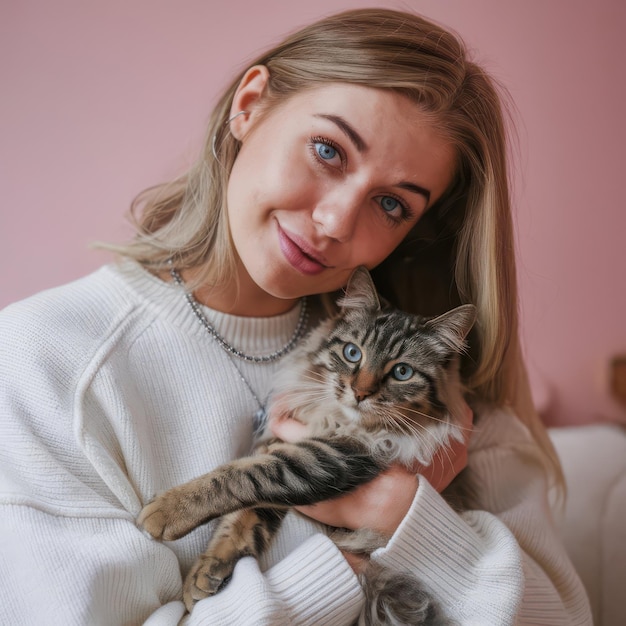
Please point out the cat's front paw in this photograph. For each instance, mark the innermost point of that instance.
(206, 578)
(162, 518)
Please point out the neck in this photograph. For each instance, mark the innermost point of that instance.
(232, 350)
(243, 302)
(245, 299)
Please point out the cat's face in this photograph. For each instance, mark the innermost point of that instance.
(385, 370)
(380, 369)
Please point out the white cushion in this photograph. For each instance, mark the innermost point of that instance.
(593, 523)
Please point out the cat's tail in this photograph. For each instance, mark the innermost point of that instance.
(393, 599)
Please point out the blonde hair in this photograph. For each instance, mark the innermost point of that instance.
(462, 250)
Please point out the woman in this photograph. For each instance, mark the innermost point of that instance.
(367, 138)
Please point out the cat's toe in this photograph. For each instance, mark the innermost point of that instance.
(152, 520)
(205, 579)
(158, 521)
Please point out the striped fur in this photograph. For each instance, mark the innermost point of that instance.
(375, 386)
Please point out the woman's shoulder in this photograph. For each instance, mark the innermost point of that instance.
(70, 322)
(498, 426)
(83, 303)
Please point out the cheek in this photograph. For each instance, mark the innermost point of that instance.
(375, 243)
(262, 178)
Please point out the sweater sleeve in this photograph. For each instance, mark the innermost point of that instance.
(312, 586)
(64, 569)
(72, 466)
(504, 562)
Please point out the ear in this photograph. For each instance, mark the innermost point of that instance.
(454, 325)
(360, 291)
(247, 98)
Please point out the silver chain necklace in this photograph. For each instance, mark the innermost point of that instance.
(260, 417)
(261, 358)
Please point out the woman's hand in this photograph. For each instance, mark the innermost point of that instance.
(449, 460)
(382, 503)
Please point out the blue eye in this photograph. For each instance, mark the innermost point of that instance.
(389, 204)
(352, 353)
(325, 151)
(402, 371)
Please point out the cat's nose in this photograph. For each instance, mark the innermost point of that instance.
(360, 394)
(364, 384)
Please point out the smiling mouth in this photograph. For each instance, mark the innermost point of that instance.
(299, 255)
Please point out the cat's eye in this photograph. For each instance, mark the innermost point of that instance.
(352, 353)
(402, 371)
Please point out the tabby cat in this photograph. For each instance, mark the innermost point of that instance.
(375, 386)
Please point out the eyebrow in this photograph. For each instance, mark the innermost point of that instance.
(361, 146)
(422, 191)
(347, 129)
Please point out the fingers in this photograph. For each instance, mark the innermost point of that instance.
(282, 423)
(288, 429)
(380, 504)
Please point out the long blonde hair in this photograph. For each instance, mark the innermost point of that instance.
(461, 251)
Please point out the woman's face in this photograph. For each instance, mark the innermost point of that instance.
(331, 179)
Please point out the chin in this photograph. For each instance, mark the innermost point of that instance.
(279, 287)
(287, 284)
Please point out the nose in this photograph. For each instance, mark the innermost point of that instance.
(361, 394)
(336, 214)
(365, 384)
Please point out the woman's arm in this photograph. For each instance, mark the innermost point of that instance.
(382, 503)
(78, 459)
(502, 563)
(79, 570)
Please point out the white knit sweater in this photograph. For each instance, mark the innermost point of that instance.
(111, 391)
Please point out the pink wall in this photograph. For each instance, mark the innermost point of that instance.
(100, 100)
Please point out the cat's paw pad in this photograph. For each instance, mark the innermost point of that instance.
(159, 518)
(206, 578)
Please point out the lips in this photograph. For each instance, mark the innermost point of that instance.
(300, 255)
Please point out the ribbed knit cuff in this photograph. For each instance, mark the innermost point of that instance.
(450, 553)
(317, 584)
(313, 585)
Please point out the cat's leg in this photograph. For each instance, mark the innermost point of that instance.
(289, 474)
(238, 534)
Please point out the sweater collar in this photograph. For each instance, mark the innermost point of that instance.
(252, 335)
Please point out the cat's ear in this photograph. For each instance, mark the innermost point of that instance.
(454, 325)
(360, 292)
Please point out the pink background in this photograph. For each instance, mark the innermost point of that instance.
(102, 99)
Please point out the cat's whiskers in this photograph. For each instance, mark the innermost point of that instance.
(315, 376)
(308, 394)
(306, 397)
(427, 415)
(397, 414)
(433, 444)
(423, 436)
(413, 429)
(443, 421)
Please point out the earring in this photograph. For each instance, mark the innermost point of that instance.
(228, 121)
